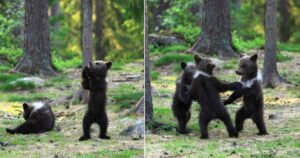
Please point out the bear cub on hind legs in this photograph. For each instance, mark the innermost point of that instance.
(94, 80)
(253, 102)
(182, 98)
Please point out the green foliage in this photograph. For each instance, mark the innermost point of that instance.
(61, 64)
(167, 49)
(172, 58)
(244, 45)
(190, 32)
(126, 95)
(280, 57)
(12, 54)
(154, 75)
(288, 47)
(17, 85)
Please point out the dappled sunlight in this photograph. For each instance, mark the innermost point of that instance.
(11, 108)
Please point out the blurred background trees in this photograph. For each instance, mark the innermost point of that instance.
(114, 27)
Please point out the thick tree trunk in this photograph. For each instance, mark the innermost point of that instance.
(215, 36)
(284, 31)
(148, 94)
(99, 52)
(86, 43)
(37, 53)
(271, 76)
(55, 11)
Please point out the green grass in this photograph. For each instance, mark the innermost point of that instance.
(126, 95)
(18, 85)
(288, 47)
(127, 153)
(280, 57)
(62, 64)
(14, 97)
(4, 68)
(172, 58)
(9, 77)
(167, 49)
(230, 64)
(58, 81)
(154, 75)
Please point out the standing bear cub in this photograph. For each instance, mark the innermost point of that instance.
(94, 80)
(205, 90)
(252, 94)
(182, 98)
(38, 118)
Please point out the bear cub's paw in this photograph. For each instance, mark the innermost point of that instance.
(10, 131)
(186, 131)
(104, 137)
(82, 138)
(262, 133)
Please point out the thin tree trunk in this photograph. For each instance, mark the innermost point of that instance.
(148, 94)
(157, 13)
(271, 76)
(99, 51)
(55, 11)
(284, 31)
(215, 36)
(86, 42)
(37, 52)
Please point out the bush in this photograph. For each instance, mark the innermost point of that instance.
(171, 58)
(154, 75)
(282, 57)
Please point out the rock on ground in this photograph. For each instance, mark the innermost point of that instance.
(135, 131)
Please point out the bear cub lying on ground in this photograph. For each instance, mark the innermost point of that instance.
(38, 118)
(94, 80)
(252, 94)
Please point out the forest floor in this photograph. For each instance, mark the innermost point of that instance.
(125, 89)
(282, 115)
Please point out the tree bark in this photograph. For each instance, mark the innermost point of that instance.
(55, 11)
(86, 43)
(215, 36)
(99, 52)
(271, 76)
(157, 13)
(148, 94)
(284, 30)
(37, 57)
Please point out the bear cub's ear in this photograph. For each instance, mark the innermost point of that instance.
(25, 106)
(211, 65)
(253, 57)
(197, 59)
(108, 64)
(183, 65)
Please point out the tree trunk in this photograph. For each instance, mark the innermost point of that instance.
(284, 30)
(271, 76)
(157, 13)
(55, 11)
(37, 52)
(86, 43)
(215, 36)
(99, 52)
(148, 94)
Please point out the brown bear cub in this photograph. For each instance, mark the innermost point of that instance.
(205, 90)
(38, 117)
(252, 94)
(182, 98)
(94, 80)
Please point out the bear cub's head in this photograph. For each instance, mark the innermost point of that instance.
(96, 73)
(204, 65)
(247, 66)
(188, 71)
